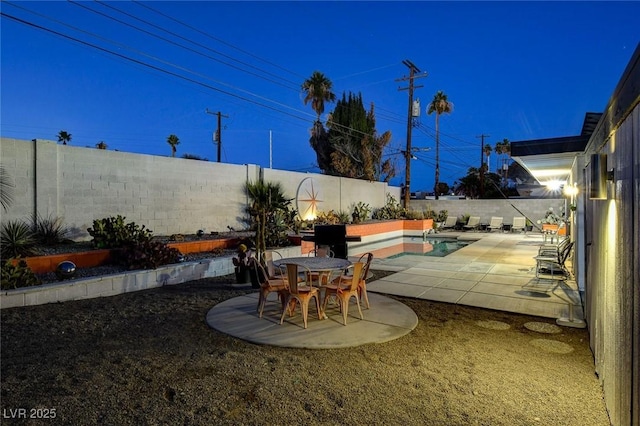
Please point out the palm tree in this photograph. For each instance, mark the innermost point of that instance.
(318, 90)
(504, 147)
(440, 105)
(6, 188)
(102, 145)
(64, 137)
(487, 151)
(173, 141)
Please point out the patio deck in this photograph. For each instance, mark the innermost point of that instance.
(496, 272)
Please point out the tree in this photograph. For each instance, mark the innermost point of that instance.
(503, 148)
(64, 137)
(318, 90)
(6, 189)
(470, 185)
(174, 141)
(442, 188)
(101, 145)
(267, 200)
(487, 151)
(440, 105)
(354, 146)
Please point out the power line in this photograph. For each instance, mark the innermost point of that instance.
(178, 44)
(215, 38)
(154, 67)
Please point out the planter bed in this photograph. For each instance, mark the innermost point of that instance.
(123, 282)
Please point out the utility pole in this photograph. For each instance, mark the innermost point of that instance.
(218, 135)
(482, 136)
(407, 154)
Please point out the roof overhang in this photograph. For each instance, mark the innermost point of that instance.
(549, 161)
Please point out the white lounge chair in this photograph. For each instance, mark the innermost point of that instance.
(496, 223)
(473, 223)
(450, 223)
(519, 224)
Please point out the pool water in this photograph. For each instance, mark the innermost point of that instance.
(416, 246)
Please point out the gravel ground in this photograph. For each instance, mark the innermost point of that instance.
(149, 358)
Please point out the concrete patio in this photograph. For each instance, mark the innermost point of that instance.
(496, 272)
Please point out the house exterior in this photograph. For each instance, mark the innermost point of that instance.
(600, 172)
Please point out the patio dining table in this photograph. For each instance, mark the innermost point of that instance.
(315, 264)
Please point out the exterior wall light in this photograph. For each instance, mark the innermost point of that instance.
(599, 177)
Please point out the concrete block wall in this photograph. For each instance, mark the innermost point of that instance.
(336, 193)
(534, 209)
(167, 195)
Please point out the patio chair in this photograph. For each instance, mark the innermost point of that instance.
(345, 291)
(519, 223)
(553, 233)
(496, 223)
(472, 223)
(299, 293)
(272, 270)
(346, 278)
(548, 264)
(450, 223)
(321, 277)
(267, 286)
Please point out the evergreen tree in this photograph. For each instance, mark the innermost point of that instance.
(354, 146)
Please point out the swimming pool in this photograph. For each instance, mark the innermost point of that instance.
(403, 246)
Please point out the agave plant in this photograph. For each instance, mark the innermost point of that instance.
(17, 239)
(49, 230)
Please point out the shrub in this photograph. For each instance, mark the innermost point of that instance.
(49, 230)
(391, 210)
(112, 232)
(414, 215)
(360, 212)
(16, 276)
(17, 239)
(147, 254)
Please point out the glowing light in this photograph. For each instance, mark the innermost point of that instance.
(570, 190)
(554, 185)
(308, 199)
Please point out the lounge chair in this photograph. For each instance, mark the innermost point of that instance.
(450, 223)
(519, 223)
(496, 223)
(472, 223)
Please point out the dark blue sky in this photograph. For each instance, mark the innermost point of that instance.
(515, 70)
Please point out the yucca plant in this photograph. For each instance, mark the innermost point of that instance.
(49, 231)
(17, 239)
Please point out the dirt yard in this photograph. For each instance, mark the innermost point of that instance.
(149, 358)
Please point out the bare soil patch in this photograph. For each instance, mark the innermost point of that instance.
(150, 358)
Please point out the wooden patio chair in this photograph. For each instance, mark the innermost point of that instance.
(296, 293)
(345, 291)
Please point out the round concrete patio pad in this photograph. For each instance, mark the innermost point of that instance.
(387, 320)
